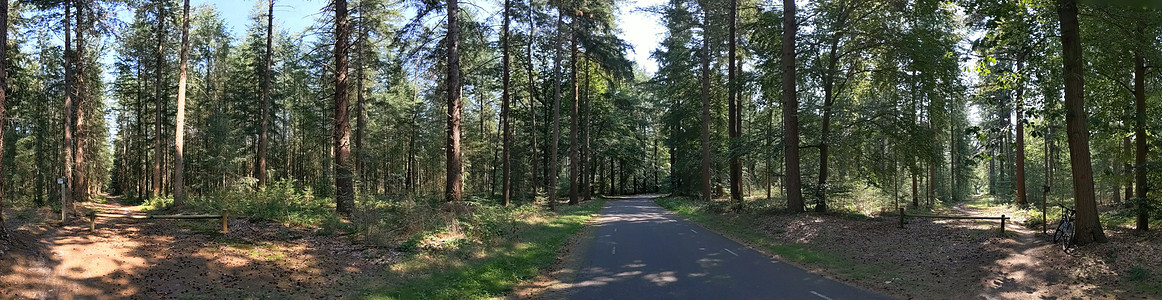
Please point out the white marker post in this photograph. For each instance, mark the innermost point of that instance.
(64, 212)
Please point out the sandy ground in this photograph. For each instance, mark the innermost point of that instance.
(158, 259)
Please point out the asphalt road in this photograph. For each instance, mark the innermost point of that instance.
(642, 251)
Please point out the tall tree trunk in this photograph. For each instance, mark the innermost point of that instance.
(1088, 228)
(81, 183)
(824, 140)
(586, 186)
(139, 112)
(3, 96)
(532, 86)
(554, 162)
(454, 183)
(734, 107)
(179, 194)
(344, 188)
(506, 155)
(158, 102)
(574, 130)
(1127, 171)
(68, 113)
(1143, 220)
(360, 92)
(1022, 196)
(791, 110)
(260, 164)
(705, 117)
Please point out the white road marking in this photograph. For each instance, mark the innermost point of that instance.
(821, 295)
(692, 230)
(614, 250)
(731, 252)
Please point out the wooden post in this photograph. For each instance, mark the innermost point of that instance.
(225, 215)
(1003, 218)
(93, 223)
(901, 217)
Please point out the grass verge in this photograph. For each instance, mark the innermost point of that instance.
(743, 227)
(499, 268)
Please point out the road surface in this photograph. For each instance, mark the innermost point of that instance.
(642, 251)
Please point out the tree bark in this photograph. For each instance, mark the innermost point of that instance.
(454, 183)
(1022, 196)
(81, 183)
(344, 188)
(586, 170)
(554, 162)
(260, 164)
(3, 96)
(68, 112)
(791, 110)
(574, 130)
(534, 169)
(734, 107)
(1088, 228)
(1143, 219)
(824, 140)
(506, 152)
(705, 117)
(179, 194)
(159, 103)
(360, 90)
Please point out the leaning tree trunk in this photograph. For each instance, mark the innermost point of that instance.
(344, 188)
(791, 110)
(180, 120)
(454, 183)
(1088, 228)
(1143, 220)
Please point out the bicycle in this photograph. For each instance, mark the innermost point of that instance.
(1065, 228)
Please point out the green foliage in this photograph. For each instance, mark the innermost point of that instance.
(281, 201)
(522, 255)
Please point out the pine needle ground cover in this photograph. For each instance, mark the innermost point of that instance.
(941, 259)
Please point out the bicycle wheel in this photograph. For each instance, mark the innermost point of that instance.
(1060, 231)
(1067, 237)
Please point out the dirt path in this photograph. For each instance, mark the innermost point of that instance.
(1030, 266)
(162, 259)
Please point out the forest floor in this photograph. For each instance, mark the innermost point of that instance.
(159, 259)
(946, 259)
(191, 259)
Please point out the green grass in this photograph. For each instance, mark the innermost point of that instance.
(742, 227)
(495, 275)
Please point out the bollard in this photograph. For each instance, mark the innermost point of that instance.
(225, 215)
(92, 223)
(1003, 218)
(901, 217)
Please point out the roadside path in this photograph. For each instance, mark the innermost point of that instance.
(642, 251)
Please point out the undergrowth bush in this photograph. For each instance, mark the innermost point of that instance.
(281, 201)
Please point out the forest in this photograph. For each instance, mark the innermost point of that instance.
(443, 135)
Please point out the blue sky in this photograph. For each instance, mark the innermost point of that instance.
(639, 29)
